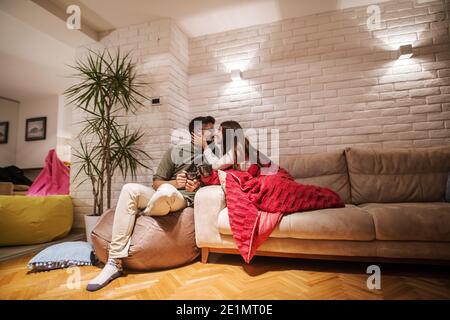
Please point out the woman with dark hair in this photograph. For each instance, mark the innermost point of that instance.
(257, 199)
(232, 149)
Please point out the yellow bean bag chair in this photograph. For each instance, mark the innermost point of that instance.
(34, 219)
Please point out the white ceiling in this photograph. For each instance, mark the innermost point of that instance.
(36, 46)
(32, 64)
(200, 17)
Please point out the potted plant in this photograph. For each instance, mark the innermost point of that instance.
(108, 89)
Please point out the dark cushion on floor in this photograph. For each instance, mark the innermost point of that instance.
(157, 242)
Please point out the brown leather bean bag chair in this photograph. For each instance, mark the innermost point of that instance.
(157, 242)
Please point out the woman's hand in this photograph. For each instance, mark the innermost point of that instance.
(192, 185)
(181, 180)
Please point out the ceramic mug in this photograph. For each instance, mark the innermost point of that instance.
(192, 175)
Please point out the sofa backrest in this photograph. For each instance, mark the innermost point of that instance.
(324, 169)
(398, 175)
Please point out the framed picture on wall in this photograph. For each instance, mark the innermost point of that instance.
(36, 129)
(4, 126)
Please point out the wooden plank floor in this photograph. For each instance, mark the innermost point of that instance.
(227, 277)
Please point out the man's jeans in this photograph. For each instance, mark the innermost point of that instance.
(133, 198)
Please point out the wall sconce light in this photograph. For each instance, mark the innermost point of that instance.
(405, 51)
(236, 75)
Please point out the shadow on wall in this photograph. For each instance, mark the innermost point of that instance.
(329, 80)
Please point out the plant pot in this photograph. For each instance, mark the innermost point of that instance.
(90, 221)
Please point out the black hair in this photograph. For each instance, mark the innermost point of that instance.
(209, 119)
(192, 123)
(204, 120)
(233, 130)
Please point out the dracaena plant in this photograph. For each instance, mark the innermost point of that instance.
(107, 89)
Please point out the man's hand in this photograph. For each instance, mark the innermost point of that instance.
(199, 139)
(192, 185)
(181, 180)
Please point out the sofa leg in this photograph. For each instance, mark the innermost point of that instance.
(205, 254)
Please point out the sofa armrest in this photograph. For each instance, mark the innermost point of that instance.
(208, 202)
(6, 188)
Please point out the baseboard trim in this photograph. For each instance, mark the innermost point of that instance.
(206, 251)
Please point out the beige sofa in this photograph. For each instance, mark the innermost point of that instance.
(395, 209)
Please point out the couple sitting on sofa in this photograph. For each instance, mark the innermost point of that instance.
(173, 190)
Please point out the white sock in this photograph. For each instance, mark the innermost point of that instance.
(111, 267)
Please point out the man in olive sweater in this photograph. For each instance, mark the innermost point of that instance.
(172, 191)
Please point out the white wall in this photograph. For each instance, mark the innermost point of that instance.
(9, 111)
(327, 81)
(160, 50)
(64, 130)
(31, 154)
(33, 64)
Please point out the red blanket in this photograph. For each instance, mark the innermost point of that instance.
(256, 203)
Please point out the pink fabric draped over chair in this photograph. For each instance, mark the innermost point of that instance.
(53, 179)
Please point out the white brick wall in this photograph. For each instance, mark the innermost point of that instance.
(160, 51)
(325, 80)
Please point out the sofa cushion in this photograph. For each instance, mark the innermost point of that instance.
(327, 170)
(410, 221)
(349, 223)
(398, 175)
(447, 189)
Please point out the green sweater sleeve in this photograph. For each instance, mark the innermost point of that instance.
(166, 167)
